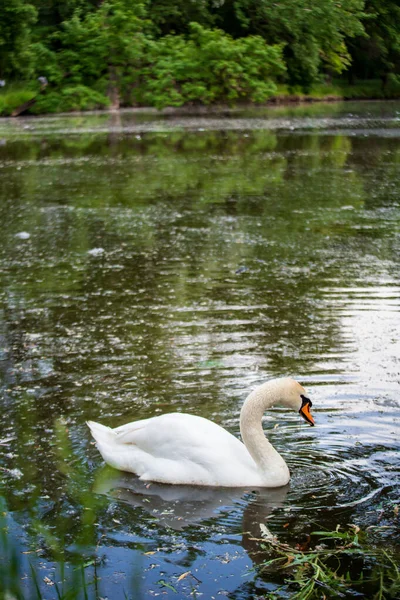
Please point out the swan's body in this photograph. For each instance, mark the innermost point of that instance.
(179, 448)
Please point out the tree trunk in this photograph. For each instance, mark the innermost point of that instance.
(113, 91)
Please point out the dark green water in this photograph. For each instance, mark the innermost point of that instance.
(153, 264)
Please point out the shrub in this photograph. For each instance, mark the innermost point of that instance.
(209, 66)
(70, 98)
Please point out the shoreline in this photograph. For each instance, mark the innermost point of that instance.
(275, 102)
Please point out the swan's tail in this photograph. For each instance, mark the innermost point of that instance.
(101, 433)
(116, 454)
(106, 439)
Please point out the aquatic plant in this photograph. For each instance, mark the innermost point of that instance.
(342, 563)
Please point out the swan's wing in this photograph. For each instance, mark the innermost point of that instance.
(126, 433)
(178, 435)
(175, 448)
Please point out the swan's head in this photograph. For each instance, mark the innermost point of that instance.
(293, 395)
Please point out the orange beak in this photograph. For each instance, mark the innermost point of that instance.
(305, 411)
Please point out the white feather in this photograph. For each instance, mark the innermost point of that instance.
(180, 448)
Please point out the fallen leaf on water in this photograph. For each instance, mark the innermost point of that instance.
(16, 473)
(303, 545)
(164, 583)
(183, 576)
(150, 553)
(5, 441)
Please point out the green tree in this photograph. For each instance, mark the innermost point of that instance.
(314, 33)
(51, 13)
(378, 53)
(175, 16)
(210, 66)
(104, 48)
(16, 20)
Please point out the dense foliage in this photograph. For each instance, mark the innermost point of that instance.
(170, 52)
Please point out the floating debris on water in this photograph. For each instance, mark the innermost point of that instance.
(96, 251)
(15, 473)
(241, 269)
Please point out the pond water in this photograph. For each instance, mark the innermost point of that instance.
(172, 263)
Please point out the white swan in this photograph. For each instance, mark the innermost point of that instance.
(179, 448)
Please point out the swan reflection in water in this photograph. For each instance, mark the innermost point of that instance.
(177, 506)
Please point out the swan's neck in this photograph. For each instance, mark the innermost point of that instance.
(268, 460)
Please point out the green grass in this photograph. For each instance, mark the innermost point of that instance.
(341, 90)
(12, 96)
(69, 98)
(372, 89)
(318, 91)
(83, 98)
